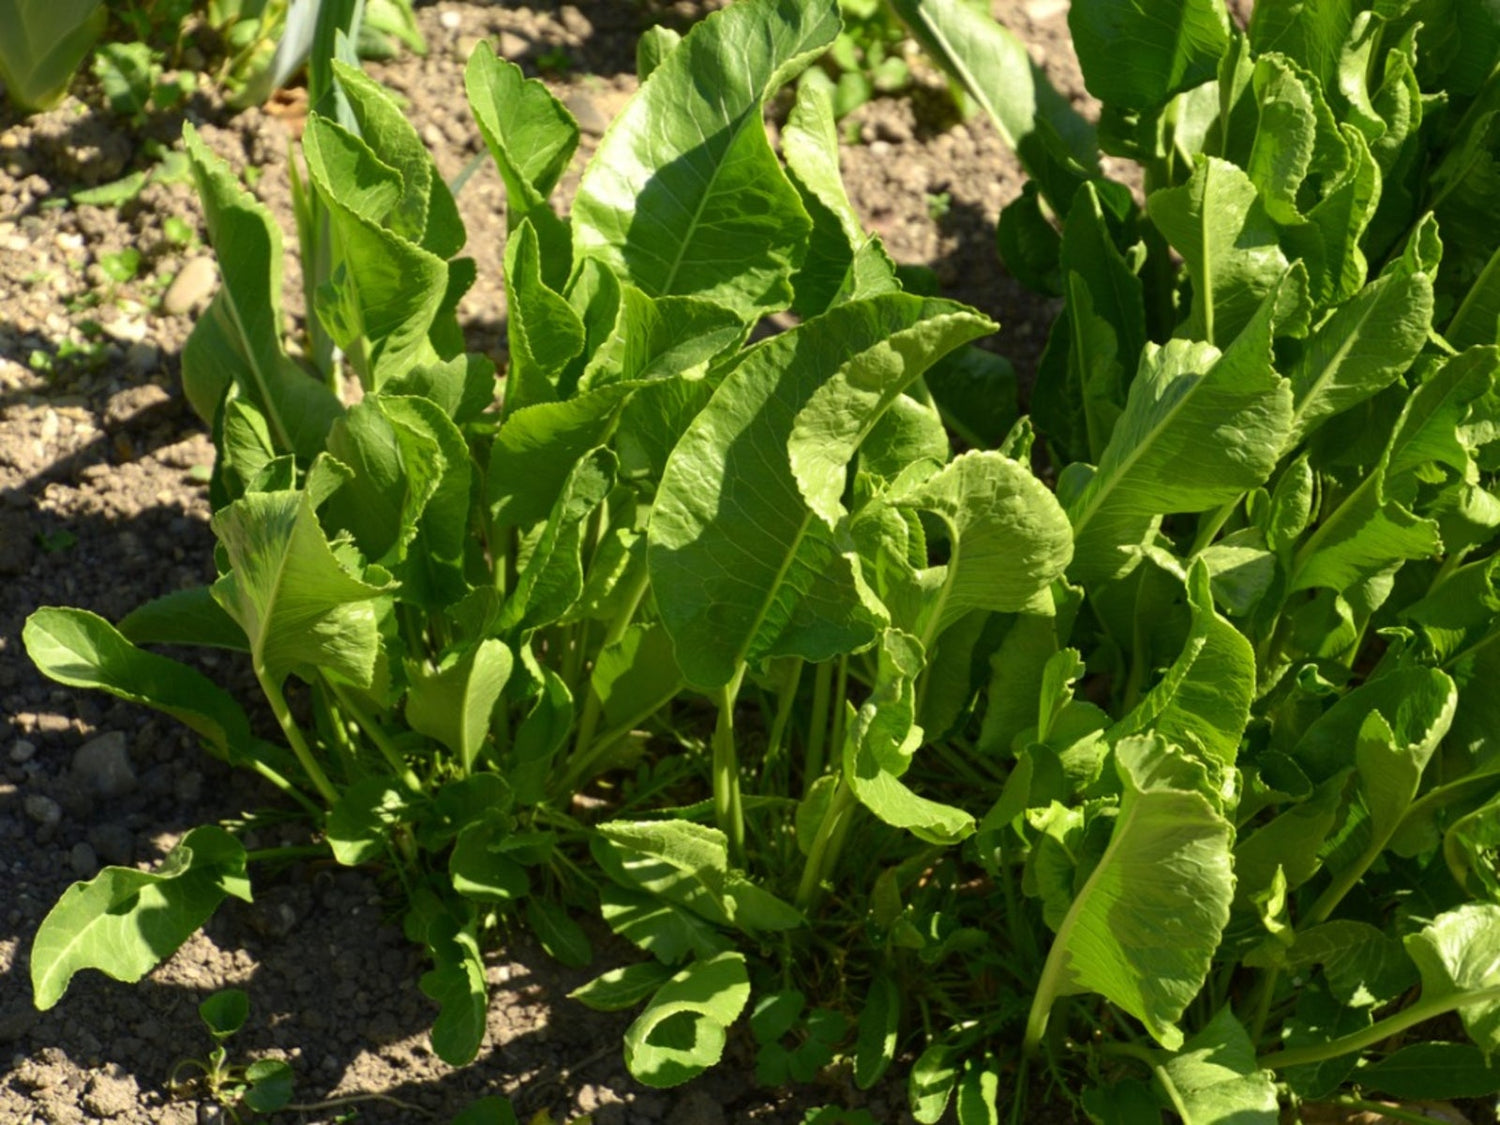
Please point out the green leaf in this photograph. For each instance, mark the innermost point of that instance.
(881, 740)
(1203, 701)
(125, 922)
(832, 269)
(558, 934)
(1143, 929)
(1136, 58)
(663, 929)
(1230, 244)
(225, 1011)
(1215, 1079)
(544, 331)
(238, 341)
(1008, 540)
(1360, 350)
(1055, 143)
(1312, 34)
(552, 579)
(1364, 967)
(298, 606)
(359, 823)
(684, 195)
(531, 136)
(456, 982)
(1433, 1072)
(452, 703)
(740, 566)
(271, 1082)
(487, 1111)
(184, 617)
(43, 45)
(481, 870)
(931, 1081)
(81, 649)
(622, 988)
(1458, 955)
(683, 1029)
(1199, 429)
(385, 289)
(655, 44)
(879, 1022)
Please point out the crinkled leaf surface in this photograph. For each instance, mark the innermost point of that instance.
(1143, 929)
(741, 567)
(1460, 953)
(1216, 1080)
(1137, 55)
(297, 604)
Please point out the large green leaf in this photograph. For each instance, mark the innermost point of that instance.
(298, 606)
(125, 922)
(1008, 540)
(1214, 1078)
(1312, 34)
(81, 649)
(1056, 145)
(41, 46)
(682, 1031)
(684, 195)
(1199, 430)
(1143, 929)
(456, 981)
(452, 703)
(741, 567)
(1459, 955)
(1136, 56)
(1203, 701)
(238, 341)
(1361, 349)
(386, 289)
(1230, 244)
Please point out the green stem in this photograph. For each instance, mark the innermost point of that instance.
(290, 851)
(294, 737)
(372, 728)
(817, 733)
(728, 811)
(786, 699)
(588, 723)
(1420, 1012)
(840, 709)
(822, 854)
(1209, 525)
(286, 786)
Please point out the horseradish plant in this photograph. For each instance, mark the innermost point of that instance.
(1177, 779)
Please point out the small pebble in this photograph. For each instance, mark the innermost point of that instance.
(22, 751)
(44, 810)
(84, 862)
(192, 287)
(450, 19)
(102, 765)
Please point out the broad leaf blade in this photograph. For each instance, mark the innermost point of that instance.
(125, 922)
(684, 195)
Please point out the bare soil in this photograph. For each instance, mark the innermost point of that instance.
(103, 505)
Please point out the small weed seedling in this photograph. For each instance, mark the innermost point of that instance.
(263, 1086)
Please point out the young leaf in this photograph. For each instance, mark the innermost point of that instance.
(740, 567)
(238, 341)
(298, 606)
(1144, 927)
(622, 988)
(558, 934)
(879, 1021)
(684, 195)
(81, 649)
(183, 617)
(531, 137)
(683, 1029)
(125, 922)
(453, 702)
(544, 331)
